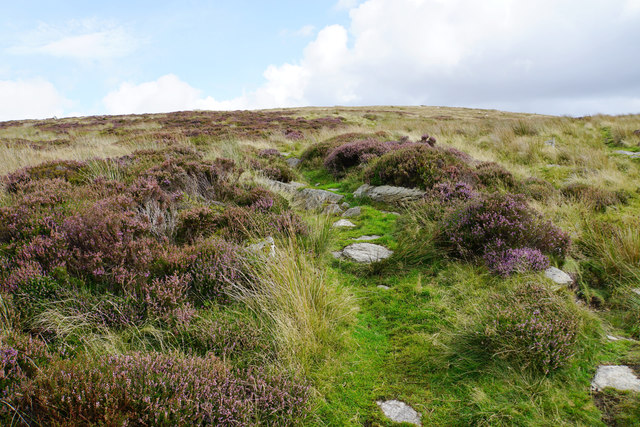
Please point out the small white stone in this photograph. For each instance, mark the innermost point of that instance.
(619, 377)
(400, 412)
(262, 244)
(384, 287)
(636, 291)
(373, 237)
(343, 223)
(337, 254)
(558, 276)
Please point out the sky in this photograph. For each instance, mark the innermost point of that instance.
(78, 58)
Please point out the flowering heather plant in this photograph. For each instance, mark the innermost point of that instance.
(492, 175)
(195, 223)
(159, 389)
(20, 358)
(419, 165)
(346, 156)
(518, 260)
(269, 152)
(166, 299)
(212, 265)
(67, 170)
(320, 150)
(500, 222)
(533, 328)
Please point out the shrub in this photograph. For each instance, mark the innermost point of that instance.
(212, 264)
(195, 223)
(318, 151)
(269, 152)
(494, 176)
(531, 328)
(537, 189)
(419, 165)
(166, 299)
(159, 389)
(346, 156)
(597, 198)
(518, 260)
(278, 172)
(495, 224)
(263, 200)
(21, 356)
(67, 170)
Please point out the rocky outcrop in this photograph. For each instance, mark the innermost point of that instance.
(315, 199)
(341, 223)
(558, 276)
(389, 194)
(619, 377)
(631, 154)
(366, 253)
(332, 209)
(399, 412)
(293, 162)
(351, 212)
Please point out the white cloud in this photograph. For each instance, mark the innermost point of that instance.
(167, 93)
(549, 56)
(504, 54)
(84, 40)
(30, 99)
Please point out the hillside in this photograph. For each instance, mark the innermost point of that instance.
(320, 266)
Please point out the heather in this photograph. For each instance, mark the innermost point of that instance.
(531, 328)
(153, 273)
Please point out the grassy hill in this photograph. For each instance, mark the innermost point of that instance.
(161, 269)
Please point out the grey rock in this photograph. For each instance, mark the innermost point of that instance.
(332, 209)
(343, 223)
(551, 142)
(366, 252)
(636, 291)
(337, 254)
(619, 377)
(285, 187)
(314, 199)
(344, 205)
(293, 162)
(389, 194)
(351, 212)
(386, 288)
(373, 237)
(558, 276)
(631, 154)
(267, 245)
(333, 189)
(399, 412)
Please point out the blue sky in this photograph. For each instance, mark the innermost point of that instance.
(555, 56)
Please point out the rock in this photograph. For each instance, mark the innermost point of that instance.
(262, 245)
(616, 338)
(386, 288)
(344, 205)
(343, 223)
(551, 142)
(293, 162)
(337, 254)
(351, 212)
(313, 199)
(334, 189)
(399, 412)
(636, 291)
(558, 276)
(631, 154)
(619, 377)
(373, 237)
(332, 209)
(366, 252)
(285, 187)
(389, 194)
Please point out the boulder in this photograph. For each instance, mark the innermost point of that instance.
(351, 212)
(344, 205)
(619, 377)
(389, 194)
(293, 162)
(558, 276)
(366, 252)
(314, 199)
(285, 187)
(399, 412)
(343, 223)
(264, 246)
(332, 209)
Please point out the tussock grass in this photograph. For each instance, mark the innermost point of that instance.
(301, 308)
